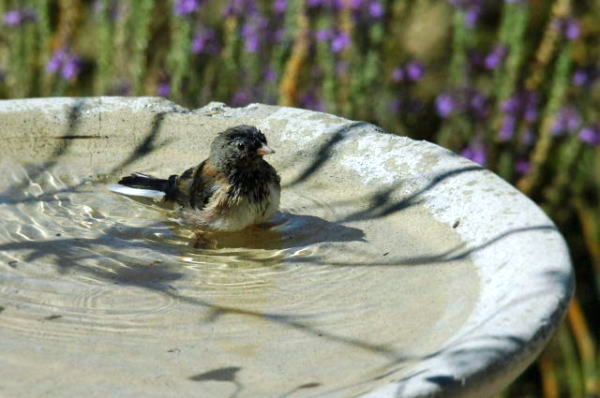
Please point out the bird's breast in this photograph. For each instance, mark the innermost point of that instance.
(235, 212)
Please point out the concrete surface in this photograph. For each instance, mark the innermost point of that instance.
(396, 269)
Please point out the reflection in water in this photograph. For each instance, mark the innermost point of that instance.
(82, 267)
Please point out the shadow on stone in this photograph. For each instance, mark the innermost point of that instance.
(227, 374)
(323, 154)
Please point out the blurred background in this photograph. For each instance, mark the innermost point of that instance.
(512, 85)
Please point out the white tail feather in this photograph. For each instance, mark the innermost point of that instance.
(138, 192)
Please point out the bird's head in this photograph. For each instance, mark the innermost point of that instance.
(239, 145)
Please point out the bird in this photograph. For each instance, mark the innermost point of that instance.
(230, 190)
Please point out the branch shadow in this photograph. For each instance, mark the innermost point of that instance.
(72, 254)
(75, 254)
(382, 203)
(323, 154)
(226, 374)
(148, 145)
(13, 194)
(33, 173)
(492, 349)
(456, 253)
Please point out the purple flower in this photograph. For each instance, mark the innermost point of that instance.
(414, 71)
(253, 32)
(65, 62)
(115, 9)
(528, 137)
(475, 152)
(569, 27)
(56, 61)
(310, 100)
(339, 42)
(242, 97)
(330, 4)
(240, 7)
(365, 11)
(472, 103)
(511, 105)
(530, 113)
(198, 43)
(396, 105)
(12, 17)
(580, 77)
(276, 35)
(270, 75)
(356, 4)
(252, 43)
(567, 120)
(19, 16)
(204, 41)
(522, 104)
(478, 103)
(572, 29)
(471, 8)
(376, 9)
(398, 74)
(465, 100)
(446, 105)
(186, 7)
(590, 135)
(495, 58)
(279, 6)
(507, 129)
(585, 76)
(472, 15)
(522, 166)
(324, 34)
(163, 89)
(71, 68)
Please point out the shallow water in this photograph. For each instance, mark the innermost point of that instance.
(100, 290)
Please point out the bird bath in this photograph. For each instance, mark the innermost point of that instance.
(394, 269)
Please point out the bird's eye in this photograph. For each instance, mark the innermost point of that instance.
(241, 146)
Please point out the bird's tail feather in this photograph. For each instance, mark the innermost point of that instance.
(137, 192)
(145, 181)
(143, 185)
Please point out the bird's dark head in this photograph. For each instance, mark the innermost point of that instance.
(239, 145)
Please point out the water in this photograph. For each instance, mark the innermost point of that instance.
(99, 290)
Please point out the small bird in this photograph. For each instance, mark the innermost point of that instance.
(229, 191)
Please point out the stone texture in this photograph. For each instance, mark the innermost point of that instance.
(525, 278)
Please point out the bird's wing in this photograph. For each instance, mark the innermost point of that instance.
(198, 184)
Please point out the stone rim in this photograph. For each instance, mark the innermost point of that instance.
(525, 270)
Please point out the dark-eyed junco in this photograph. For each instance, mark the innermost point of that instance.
(232, 189)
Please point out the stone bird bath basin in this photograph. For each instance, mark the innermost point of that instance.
(395, 268)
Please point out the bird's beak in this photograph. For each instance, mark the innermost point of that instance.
(264, 150)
